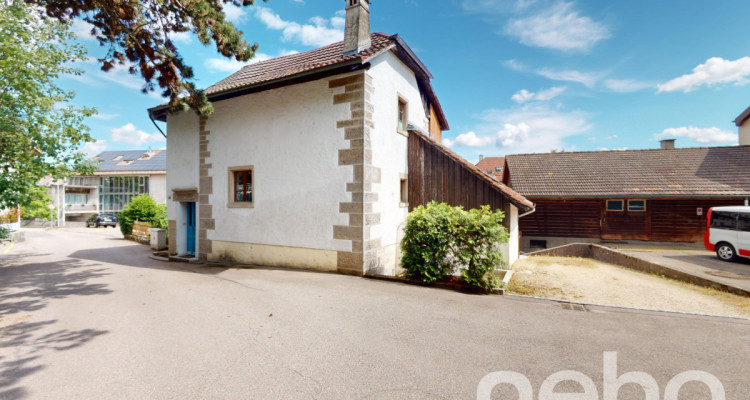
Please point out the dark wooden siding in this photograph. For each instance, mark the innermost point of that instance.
(564, 218)
(664, 220)
(435, 176)
(678, 220)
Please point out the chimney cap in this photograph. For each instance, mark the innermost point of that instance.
(667, 144)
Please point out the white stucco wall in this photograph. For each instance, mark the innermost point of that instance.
(157, 188)
(745, 133)
(182, 167)
(391, 79)
(513, 240)
(289, 136)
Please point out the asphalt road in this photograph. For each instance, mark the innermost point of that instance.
(86, 315)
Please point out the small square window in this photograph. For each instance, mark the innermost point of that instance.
(637, 205)
(404, 191)
(403, 117)
(241, 187)
(615, 205)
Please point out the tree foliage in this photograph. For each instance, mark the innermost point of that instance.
(440, 240)
(37, 206)
(142, 208)
(140, 35)
(38, 128)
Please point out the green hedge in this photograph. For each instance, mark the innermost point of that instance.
(142, 208)
(440, 240)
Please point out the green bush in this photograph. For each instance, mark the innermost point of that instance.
(92, 218)
(141, 208)
(440, 240)
(38, 205)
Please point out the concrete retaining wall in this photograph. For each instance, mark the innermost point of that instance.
(605, 254)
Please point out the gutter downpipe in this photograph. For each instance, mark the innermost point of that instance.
(534, 210)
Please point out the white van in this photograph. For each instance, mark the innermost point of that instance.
(728, 232)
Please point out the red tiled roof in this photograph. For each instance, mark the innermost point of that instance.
(490, 166)
(286, 66)
(687, 172)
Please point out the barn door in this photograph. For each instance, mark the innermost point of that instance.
(626, 219)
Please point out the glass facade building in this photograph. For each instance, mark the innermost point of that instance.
(115, 192)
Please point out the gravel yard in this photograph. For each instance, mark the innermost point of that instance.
(591, 281)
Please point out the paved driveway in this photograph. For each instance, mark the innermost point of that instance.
(84, 314)
(702, 263)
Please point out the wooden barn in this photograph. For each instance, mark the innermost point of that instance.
(438, 174)
(656, 195)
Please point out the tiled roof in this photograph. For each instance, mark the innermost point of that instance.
(490, 166)
(285, 66)
(687, 172)
(513, 196)
(116, 161)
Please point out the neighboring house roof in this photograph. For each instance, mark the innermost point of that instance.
(742, 117)
(513, 196)
(657, 173)
(315, 64)
(131, 161)
(490, 166)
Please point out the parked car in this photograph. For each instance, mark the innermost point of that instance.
(102, 220)
(728, 232)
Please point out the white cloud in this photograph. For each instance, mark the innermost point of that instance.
(234, 14)
(319, 32)
(533, 128)
(513, 134)
(699, 135)
(181, 37)
(626, 85)
(129, 134)
(559, 27)
(94, 148)
(588, 79)
(524, 95)
(714, 71)
(468, 139)
(82, 29)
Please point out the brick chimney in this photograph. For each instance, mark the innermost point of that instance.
(357, 32)
(667, 144)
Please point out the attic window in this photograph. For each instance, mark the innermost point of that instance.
(125, 162)
(499, 169)
(147, 155)
(118, 158)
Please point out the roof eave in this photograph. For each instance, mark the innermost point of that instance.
(636, 196)
(742, 117)
(160, 112)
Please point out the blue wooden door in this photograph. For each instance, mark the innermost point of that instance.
(190, 234)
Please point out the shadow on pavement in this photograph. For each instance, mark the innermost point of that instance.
(23, 339)
(28, 287)
(137, 256)
(741, 267)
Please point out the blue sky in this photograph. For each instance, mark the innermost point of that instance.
(513, 76)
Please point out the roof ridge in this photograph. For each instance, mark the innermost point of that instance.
(624, 151)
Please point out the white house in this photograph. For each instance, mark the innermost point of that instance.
(306, 160)
(120, 175)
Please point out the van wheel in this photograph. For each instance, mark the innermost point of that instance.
(726, 252)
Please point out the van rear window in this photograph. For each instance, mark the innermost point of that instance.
(723, 220)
